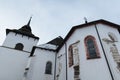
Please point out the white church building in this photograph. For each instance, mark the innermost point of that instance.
(90, 51)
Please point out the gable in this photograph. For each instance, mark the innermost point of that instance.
(87, 25)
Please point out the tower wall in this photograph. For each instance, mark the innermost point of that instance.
(12, 64)
(12, 39)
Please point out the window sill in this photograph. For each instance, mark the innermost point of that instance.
(48, 74)
(93, 57)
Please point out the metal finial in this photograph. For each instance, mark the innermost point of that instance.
(29, 21)
(85, 20)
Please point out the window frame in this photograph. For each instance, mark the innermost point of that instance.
(95, 46)
(70, 55)
(48, 68)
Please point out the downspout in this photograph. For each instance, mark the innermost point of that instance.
(104, 53)
(66, 60)
(55, 65)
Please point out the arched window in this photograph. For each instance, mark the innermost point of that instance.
(70, 54)
(19, 46)
(91, 47)
(48, 69)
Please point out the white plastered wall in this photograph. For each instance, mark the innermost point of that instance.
(103, 31)
(12, 39)
(92, 68)
(37, 70)
(12, 64)
(61, 64)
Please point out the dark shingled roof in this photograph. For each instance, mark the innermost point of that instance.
(21, 31)
(24, 30)
(57, 41)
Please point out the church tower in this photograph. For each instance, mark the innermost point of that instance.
(15, 53)
(21, 39)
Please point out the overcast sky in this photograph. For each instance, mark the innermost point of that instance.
(53, 18)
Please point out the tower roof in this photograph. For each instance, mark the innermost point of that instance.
(24, 30)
